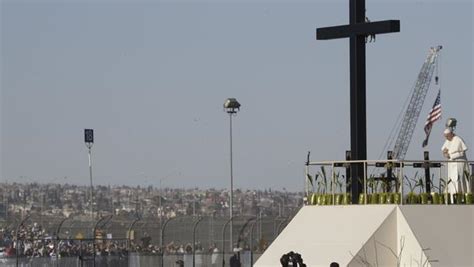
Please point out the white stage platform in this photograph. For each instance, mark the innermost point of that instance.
(378, 235)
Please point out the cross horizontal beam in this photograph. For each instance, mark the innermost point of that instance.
(366, 28)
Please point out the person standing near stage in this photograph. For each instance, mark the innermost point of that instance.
(454, 149)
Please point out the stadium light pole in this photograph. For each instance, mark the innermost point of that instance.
(89, 140)
(231, 106)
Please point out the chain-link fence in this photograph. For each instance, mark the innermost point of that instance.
(122, 241)
(133, 260)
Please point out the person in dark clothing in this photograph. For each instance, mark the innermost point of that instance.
(291, 257)
(235, 261)
(285, 260)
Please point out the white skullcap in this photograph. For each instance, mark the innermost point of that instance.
(447, 131)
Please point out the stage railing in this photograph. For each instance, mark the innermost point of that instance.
(398, 167)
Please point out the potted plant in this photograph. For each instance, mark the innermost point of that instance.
(423, 196)
(373, 185)
(435, 196)
(412, 198)
(444, 196)
(322, 198)
(346, 197)
(395, 197)
(313, 200)
(362, 197)
(339, 183)
(458, 198)
(383, 196)
(468, 196)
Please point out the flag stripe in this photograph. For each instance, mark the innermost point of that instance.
(433, 115)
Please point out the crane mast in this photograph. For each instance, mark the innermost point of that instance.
(416, 103)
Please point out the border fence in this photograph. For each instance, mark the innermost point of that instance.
(123, 241)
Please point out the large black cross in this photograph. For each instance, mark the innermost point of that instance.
(357, 31)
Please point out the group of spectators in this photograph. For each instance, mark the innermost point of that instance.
(34, 241)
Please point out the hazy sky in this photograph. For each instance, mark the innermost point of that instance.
(151, 78)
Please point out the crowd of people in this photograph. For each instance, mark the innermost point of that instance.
(33, 242)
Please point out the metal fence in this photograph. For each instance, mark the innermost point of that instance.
(133, 260)
(403, 176)
(122, 241)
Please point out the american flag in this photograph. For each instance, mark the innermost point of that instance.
(434, 115)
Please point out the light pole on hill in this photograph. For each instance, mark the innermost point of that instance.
(89, 140)
(231, 106)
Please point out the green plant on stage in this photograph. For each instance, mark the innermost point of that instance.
(339, 184)
(435, 198)
(410, 185)
(339, 179)
(383, 183)
(468, 196)
(433, 186)
(362, 198)
(324, 180)
(457, 197)
(412, 197)
(383, 196)
(374, 188)
(444, 196)
(441, 185)
(396, 197)
(424, 197)
(420, 184)
(322, 187)
(346, 197)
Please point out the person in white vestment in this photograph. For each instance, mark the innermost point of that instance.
(454, 149)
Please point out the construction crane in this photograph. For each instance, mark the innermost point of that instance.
(417, 99)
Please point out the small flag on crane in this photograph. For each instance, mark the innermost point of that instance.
(434, 115)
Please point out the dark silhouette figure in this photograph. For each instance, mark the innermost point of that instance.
(291, 257)
(334, 264)
(285, 260)
(235, 261)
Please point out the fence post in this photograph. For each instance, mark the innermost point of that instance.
(275, 227)
(281, 224)
(162, 238)
(194, 239)
(242, 230)
(223, 239)
(130, 230)
(57, 239)
(94, 230)
(251, 239)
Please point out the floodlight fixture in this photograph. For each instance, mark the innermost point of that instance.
(231, 105)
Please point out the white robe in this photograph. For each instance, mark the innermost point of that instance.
(457, 153)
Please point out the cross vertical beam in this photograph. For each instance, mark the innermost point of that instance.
(357, 31)
(357, 98)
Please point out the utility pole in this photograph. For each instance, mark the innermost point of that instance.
(231, 105)
(89, 140)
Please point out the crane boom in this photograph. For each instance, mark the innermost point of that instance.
(416, 103)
